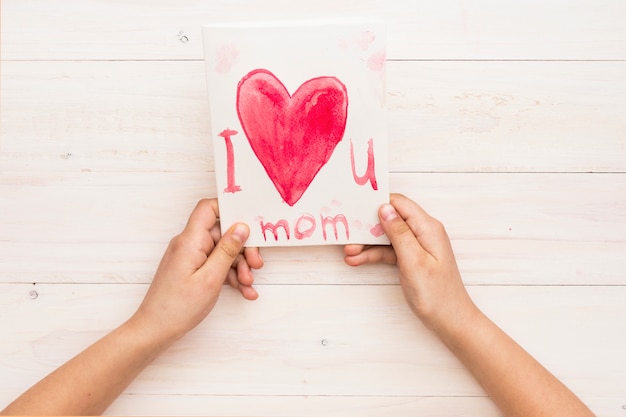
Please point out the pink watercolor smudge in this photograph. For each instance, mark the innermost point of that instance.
(357, 224)
(377, 61)
(336, 203)
(377, 230)
(226, 56)
(364, 40)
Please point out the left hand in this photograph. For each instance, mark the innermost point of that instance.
(196, 263)
(429, 275)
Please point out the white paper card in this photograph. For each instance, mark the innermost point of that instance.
(299, 130)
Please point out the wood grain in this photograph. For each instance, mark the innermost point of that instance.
(480, 29)
(153, 116)
(306, 405)
(319, 340)
(513, 229)
(507, 121)
(311, 405)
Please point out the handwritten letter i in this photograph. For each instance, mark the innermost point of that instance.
(230, 161)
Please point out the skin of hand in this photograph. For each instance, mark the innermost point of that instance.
(188, 280)
(429, 276)
(184, 290)
(432, 285)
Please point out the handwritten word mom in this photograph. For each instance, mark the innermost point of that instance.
(304, 227)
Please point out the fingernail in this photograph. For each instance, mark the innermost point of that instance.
(240, 230)
(388, 212)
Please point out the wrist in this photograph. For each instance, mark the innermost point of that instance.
(459, 324)
(151, 339)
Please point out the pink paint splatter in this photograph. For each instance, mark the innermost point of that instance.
(377, 61)
(226, 56)
(364, 40)
(377, 230)
(293, 136)
(357, 224)
(361, 41)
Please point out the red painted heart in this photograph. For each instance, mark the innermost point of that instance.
(292, 136)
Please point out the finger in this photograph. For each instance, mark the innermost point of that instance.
(353, 249)
(253, 257)
(204, 216)
(403, 240)
(371, 255)
(249, 293)
(244, 274)
(225, 253)
(215, 232)
(245, 279)
(231, 278)
(197, 233)
(429, 232)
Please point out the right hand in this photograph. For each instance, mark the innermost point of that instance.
(196, 263)
(429, 275)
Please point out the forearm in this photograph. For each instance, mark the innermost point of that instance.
(516, 382)
(92, 380)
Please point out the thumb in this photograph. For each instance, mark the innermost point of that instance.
(225, 252)
(403, 240)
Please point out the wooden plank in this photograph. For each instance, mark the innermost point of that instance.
(507, 116)
(481, 29)
(506, 228)
(326, 405)
(565, 207)
(443, 116)
(105, 116)
(338, 340)
(98, 207)
(302, 406)
(152, 207)
(481, 262)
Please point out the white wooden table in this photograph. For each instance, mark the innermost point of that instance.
(507, 121)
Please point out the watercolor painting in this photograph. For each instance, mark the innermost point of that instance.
(298, 122)
(279, 126)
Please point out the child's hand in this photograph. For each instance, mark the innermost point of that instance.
(421, 248)
(196, 263)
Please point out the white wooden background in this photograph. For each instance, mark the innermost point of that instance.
(507, 121)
